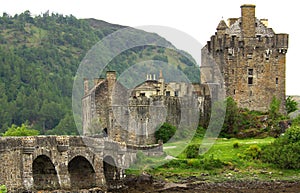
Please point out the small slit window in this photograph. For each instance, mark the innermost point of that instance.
(250, 80)
(250, 72)
(276, 80)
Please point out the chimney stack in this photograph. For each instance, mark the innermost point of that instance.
(248, 20)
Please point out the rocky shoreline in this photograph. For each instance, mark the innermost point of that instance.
(146, 184)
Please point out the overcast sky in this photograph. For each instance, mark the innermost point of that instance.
(197, 18)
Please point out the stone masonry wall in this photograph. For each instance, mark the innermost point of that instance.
(251, 59)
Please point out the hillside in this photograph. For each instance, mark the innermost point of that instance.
(39, 57)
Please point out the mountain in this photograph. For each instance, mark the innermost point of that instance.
(39, 57)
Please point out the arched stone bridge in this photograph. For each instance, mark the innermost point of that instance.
(72, 163)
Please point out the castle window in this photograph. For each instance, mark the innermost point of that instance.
(176, 93)
(250, 80)
(276, 80)
(234, 91)
(259, 38)
(142, 94)
(232, 71)
(104, 132)
(168, 93)
(241, 44)
(250, 72)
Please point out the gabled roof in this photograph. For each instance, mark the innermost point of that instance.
(260, 29)
(222, 25)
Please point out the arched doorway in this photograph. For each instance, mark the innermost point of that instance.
(44, 174)
(82, 173)
(110, 170)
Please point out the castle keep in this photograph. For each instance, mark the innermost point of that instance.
(251, 57)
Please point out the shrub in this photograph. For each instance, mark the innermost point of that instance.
(194, 163)
(3, 189)
(254, 152)
(292, 135)
(175, 163)
(211, 163)
(291, 105)
(284, 151)
(192, 151)
(165, 132)
(236, 145)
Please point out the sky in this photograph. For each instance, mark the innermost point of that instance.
(196, 18)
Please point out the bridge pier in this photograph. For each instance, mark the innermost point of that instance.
(63, 175)
(27, 171)
(27, 160)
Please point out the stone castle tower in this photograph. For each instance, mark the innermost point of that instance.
(251, 59)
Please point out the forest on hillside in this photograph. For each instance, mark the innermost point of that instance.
(39, 57)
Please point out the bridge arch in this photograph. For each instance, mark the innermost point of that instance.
(110, 170)
(44, 174)
(82, 173)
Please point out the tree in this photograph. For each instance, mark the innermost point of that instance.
(231, 117)
(65, 127)
(291, 105)
(24, 130)
(165, 132)
(274, 108)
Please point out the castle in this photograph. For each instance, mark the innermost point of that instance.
(245, 57)
(133, 115)
(251, 59)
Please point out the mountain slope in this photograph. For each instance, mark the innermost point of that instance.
(39, 57)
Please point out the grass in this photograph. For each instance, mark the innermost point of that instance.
(237, 166)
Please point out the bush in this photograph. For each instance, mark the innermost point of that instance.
(291, 105)
(211, 163)
(192, 151)
(3, 189)
(284, 151)
(292, 135)
(194, 163)
(165, 132)
(236, 145)
(254, 152)
(24, 130)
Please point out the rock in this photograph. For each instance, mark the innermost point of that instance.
(145, 179)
